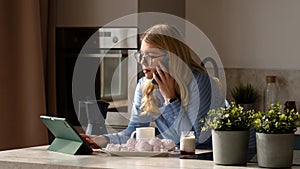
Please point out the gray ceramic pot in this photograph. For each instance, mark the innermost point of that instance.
(275, 150)
(230, 147)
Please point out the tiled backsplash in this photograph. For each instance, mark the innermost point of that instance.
(288, 82)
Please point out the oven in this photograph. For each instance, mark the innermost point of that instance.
(104, 55)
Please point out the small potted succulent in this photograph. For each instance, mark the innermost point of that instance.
(275, 136)
(245, 95)
(230, 133)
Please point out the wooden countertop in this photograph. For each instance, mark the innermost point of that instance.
(40, 157)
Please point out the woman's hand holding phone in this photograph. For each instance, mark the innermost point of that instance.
(165, 82)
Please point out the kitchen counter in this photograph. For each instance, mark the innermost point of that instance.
(40, 157)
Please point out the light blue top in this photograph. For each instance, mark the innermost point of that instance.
(204, 95)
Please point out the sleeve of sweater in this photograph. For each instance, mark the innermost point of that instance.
(135, 120)
(175, 118)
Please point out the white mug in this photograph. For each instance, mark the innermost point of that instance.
(144, 133)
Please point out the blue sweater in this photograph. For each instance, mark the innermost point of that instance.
(204, 95)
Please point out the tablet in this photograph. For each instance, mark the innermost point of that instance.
(67, 139)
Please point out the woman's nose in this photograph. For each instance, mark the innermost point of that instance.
(143, 62)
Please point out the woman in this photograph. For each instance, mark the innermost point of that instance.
(175, 92)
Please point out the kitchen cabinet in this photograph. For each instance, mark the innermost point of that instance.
(94, 13)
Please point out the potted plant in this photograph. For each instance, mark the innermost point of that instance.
(245, 95)
(230, 133)
(275, 136)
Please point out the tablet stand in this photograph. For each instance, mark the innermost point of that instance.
(69, 147)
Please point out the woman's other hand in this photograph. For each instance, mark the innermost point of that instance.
(94, 141)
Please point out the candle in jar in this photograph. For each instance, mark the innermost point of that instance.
(187, 143)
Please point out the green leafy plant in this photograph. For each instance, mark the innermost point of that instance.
(276, 120)
(244, 94)
(232, 118)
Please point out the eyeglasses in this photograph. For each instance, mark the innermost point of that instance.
(148, 59)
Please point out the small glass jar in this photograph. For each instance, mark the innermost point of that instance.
(270, 93)
(187, 143)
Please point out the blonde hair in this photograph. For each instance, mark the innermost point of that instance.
(168, 38)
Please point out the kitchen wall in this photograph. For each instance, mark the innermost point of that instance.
(254, 38)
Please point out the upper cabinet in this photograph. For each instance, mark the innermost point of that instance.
(95, 13)
(162, 6)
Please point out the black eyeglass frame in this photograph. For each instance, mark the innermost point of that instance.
(147, 58)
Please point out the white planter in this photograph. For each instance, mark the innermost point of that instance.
(230, 147)
(275, 150)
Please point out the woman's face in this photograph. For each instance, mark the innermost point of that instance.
(154, 55)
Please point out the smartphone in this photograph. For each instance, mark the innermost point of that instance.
(202, 156)
(166, 64)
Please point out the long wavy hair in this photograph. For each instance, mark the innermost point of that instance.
(180, 64)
